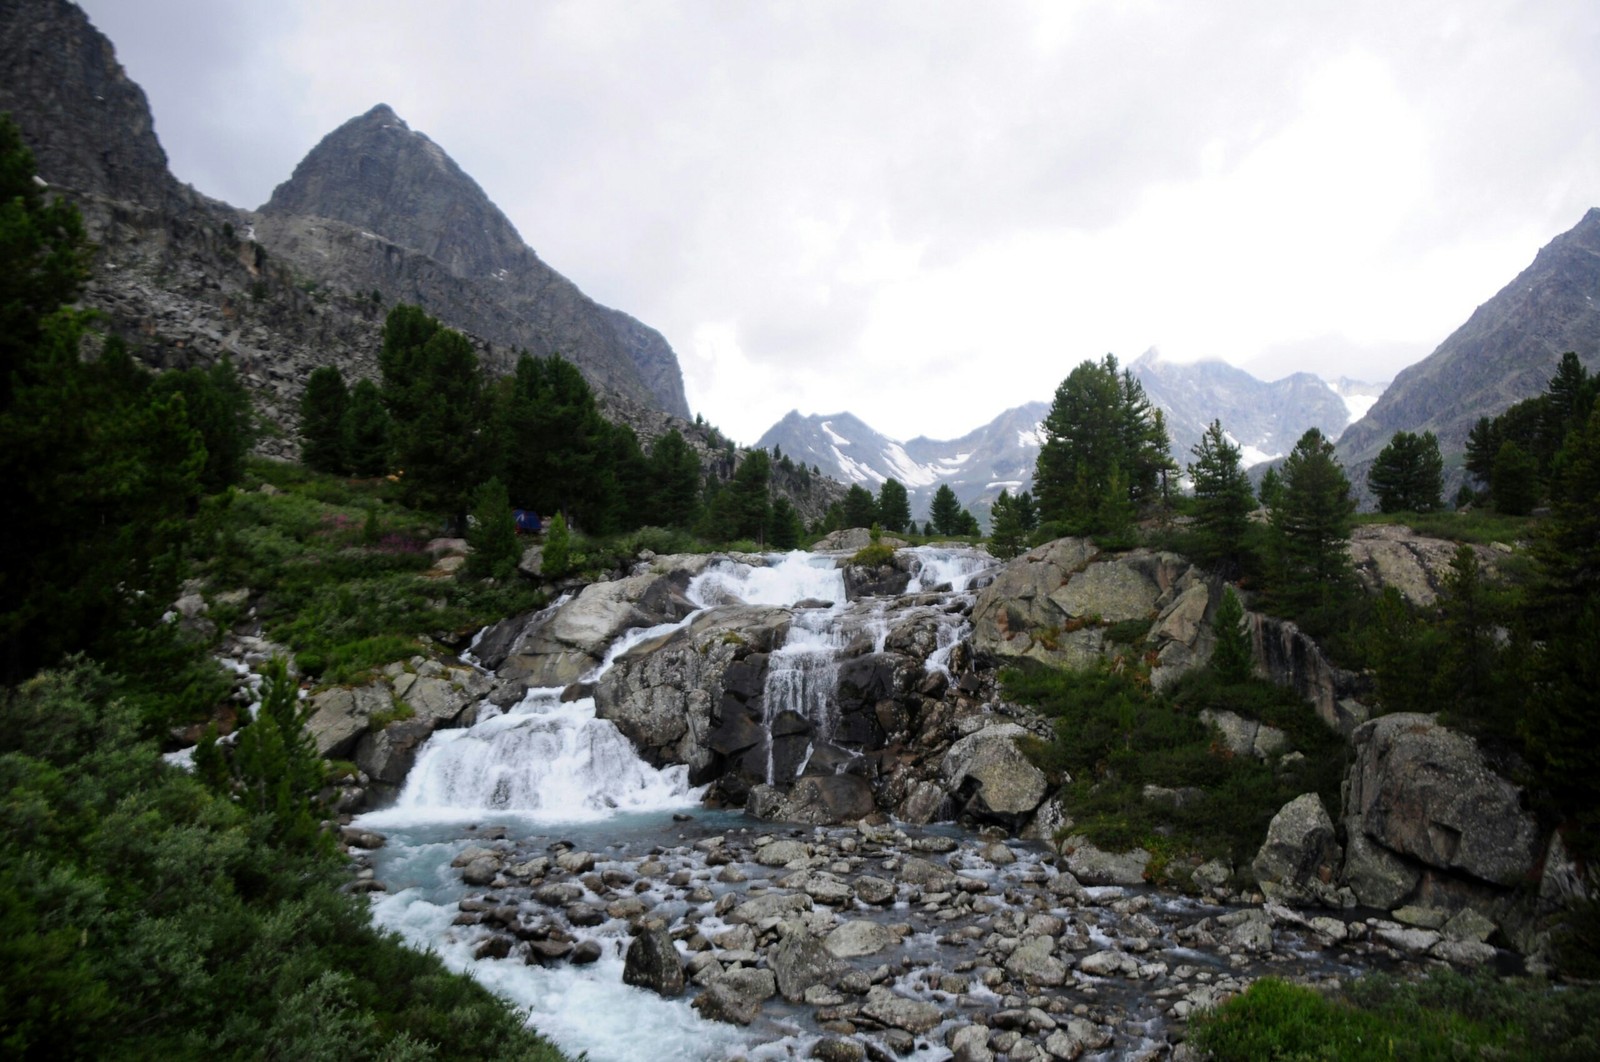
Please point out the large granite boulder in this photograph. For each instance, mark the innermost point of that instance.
(1298, 861)
(991, 776)
(1392, 555)
(1425, 792)
(652, 962)
(558, 647)
(1059, 603)
(668, 695)
(339, 716)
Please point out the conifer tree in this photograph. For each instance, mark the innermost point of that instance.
(1232, 660)
(860, 508)
(276, 771)
(945, 512)
(786, 528)
(1270, 492)
(751, 508)
(434, 395)
(366, 431)
(492, 534)
(555, 560)
(1006, 534)
(675, 472)
(1408, 474)
(1514, 481)
(1311, 532)
(894, 506)
(1223, 500)
(323, 408)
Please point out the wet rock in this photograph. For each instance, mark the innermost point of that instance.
(1094, 866)
(1109, 963)
(856, 938)
(1076, 1037)
(585, 952)
(736, 996)
(800, 961)
(782, 853)
(836, 1049)
(989, 765)
(970, 1043)
(826, 800)
(912, 1015)
(339, 716)
(652, 962)
(1033, 961)
(874, 890)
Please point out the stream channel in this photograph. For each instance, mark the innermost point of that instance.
(924, 930)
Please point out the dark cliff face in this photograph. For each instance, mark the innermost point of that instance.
(88, 125)
(380, 178)
(1505, 352)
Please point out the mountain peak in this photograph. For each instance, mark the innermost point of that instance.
(378, 174)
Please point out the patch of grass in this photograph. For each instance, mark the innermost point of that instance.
(1443, 1016)
(401, 710)
(1480, 527)
(1128, 632)
(874, 555)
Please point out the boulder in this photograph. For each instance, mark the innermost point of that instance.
(652, 962)
(667, 695)
(857, 937)
(1289, 657)
(800, 961)
(1298, 861)
(557, 648)
(1376, 876)
(989, 767)
(912, 1015)
(339, 716)
(853, 540)
(1034, 961)
(736, 996)
(1391, 555)
(827, 800)
(1424, 791)
(1093, 866)
(387, 756)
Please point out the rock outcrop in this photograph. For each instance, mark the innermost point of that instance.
(1067, 604)
(1391, 555)
(1300, 858)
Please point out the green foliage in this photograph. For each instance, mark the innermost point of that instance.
(1232, 660)
(875, 553)
(492, 534)
(1312, 579)
(749, 511)
(1105, 451)
(1114, 736)
(946, 512)
(860, 508)
(556, 560)
(1223, 502)
(276, 772)
(894, 506)
(1442, 1016)
(1513, 481)
(1535, 430)
(1271, 490)
(1408, 474)
(787, 530)
(324, 406)
(216, 406)
(433, 392)
(1008, 536)
(144, 916)
(365, 431)
(675, 470)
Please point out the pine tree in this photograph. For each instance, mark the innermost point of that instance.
(786, 527)
(1408, 474)
(945, 513)
(1232, 660)
(1311, 532)
(1514, 482)
(894, 506)
(1105, 452)
(1223, 500)
(1270, 492)
(366, 431)
(324, 406)
(1006, 535)
(675, 471)
(492, 534)
(555, 560)
(751, 508)
(276, 771)
(434, 395)
(860, 508)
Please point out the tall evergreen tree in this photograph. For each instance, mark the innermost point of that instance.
(434, 395)
(945, 512)
(786, 527)
(1223, 500)
(492, 534)
(1408, 474)
(276, 771)
(751, 509)
(323, 408)
(1105, 450)
(1007, 537)
(1311, 531)
(1232, 660)
(860, 508)
(366, 431)
(1514, 481)
(894, 506)
(675, 471)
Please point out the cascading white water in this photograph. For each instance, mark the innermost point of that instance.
(803, 674)
(937, 565)
(795, 576)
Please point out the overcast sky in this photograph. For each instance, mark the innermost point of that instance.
(929, 212)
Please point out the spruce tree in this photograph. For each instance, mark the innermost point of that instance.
(1232, 661)
(786, 527)
(894, 506)
(1408, 474)
(860, 508)
(555, 560)
(434, 396)
(1223, 501)
(276, 771)
(749, 491)
(1006, 534)
(324, 406)
(675, 473)
(366, 431)
(492, 534)
(1311, 533)
(1514, 481)
(945, 513)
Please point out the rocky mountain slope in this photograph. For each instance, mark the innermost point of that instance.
(1264, 418)
(377, 214)
(1505, 352)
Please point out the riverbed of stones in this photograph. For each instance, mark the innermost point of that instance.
(876, 941)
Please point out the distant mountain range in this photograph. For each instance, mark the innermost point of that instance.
(1265, 419)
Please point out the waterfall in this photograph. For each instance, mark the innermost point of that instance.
(795, 576)
(934, 566)
(802, 677)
